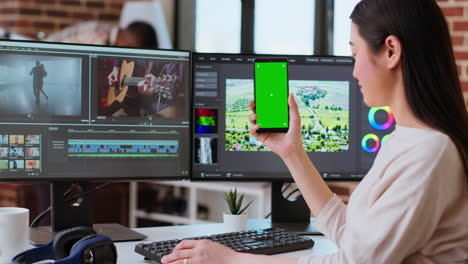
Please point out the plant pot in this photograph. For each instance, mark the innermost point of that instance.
(234, 223)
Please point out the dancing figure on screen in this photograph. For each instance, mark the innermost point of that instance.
(38, 73)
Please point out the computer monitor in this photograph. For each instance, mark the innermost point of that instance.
(77, 113)
(340, 133)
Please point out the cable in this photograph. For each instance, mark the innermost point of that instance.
(285, 187)
(70, 190)
(291, 193)
(286, 197)
(81, 195)
(39, 217)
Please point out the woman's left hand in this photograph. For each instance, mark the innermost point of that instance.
(146, 87)
(200, 252)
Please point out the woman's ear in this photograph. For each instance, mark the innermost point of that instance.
(392, 51)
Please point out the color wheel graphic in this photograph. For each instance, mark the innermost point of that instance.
(384, 139)
(366, 142)
(374, 123)
(367, 138)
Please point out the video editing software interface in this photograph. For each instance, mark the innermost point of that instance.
(77, 111)
(340, 133)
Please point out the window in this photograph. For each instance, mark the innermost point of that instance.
(284, 27)
(218, 26)
(342, 26)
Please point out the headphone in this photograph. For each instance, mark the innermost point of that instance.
(77, 245)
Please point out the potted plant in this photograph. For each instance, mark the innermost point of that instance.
(236, 218)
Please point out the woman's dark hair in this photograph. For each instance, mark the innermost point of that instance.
(144, 34)
(430, 77)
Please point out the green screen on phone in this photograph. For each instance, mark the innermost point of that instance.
(271, 96)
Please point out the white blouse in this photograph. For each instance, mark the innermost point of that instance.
(412, 206)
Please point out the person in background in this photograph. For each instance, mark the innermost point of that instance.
(137, 34)
(412, 206)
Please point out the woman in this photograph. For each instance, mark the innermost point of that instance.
(412, 206)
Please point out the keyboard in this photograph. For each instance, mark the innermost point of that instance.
(264, 241)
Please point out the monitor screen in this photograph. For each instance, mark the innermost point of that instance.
(339, 132)
(78, 112)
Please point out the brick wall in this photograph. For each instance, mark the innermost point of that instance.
(28, 17)
(456, 12)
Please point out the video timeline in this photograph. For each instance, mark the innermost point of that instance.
(122, 148)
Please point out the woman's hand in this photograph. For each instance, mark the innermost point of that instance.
(200, 252)
(113, 77)
(146, 87)
(282, 144)
(209, 252)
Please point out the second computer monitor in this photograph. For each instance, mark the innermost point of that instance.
(340, 133)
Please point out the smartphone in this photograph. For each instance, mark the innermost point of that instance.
(271, 94)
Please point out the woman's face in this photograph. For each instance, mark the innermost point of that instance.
(370, 71)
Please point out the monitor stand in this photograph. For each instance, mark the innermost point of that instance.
(66, 215)
(293, 216)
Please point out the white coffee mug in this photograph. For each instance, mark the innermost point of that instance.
(14, 232)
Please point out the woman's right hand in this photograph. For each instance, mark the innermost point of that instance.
(201, 252)
(282, 144)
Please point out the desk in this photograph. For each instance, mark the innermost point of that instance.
(127, 255)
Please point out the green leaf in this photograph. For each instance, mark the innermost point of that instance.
(245, 208)
(229, 202)
(234, 203)
(239, 203)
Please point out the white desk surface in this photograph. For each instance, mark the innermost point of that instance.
(127, 255)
